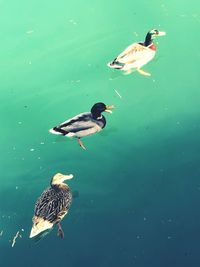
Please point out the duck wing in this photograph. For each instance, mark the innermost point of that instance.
(53, 204)
(132, 53)
(80, 125)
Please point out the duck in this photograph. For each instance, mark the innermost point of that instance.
(137, 55)
(84, 124)
(51, 207)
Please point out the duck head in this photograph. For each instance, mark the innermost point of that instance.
(151, 35)
(100, 107)
(59, 178)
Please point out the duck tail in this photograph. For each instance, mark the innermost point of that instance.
(39, 226)
(55, 131)
(115, 64)
(60, 131)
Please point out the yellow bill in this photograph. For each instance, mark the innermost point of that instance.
(161, 33)
(109, 108)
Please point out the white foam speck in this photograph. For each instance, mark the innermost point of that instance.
(29, 31)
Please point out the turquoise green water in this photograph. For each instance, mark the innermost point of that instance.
(138, 181)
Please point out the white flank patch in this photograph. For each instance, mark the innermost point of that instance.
(95, 129)
(70, 135)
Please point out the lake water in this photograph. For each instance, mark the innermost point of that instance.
(139, 180)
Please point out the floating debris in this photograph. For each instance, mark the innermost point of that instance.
(1, 233)
(14, 239)
(18, 234)
(183, 15)
(32, 149)
(118, 93)
(29, 31)
(73, 21)
(196, 16)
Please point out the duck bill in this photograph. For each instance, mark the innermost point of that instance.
(67, 177)
(109, 109)
(161, 33)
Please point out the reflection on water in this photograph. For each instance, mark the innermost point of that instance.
(138, 181)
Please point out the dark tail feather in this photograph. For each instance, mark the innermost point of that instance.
(57, 130)
(115, 64)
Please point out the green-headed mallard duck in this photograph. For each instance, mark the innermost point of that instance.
(84, 124)
(52, 206)
(137, 55)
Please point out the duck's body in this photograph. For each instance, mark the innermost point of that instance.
(137, 55)
(52, 206)
(133, 57)
(81, 125)
(84, 124)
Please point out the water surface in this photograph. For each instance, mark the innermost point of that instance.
(138, 181)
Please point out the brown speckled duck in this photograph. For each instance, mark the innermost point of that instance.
(52, 206)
